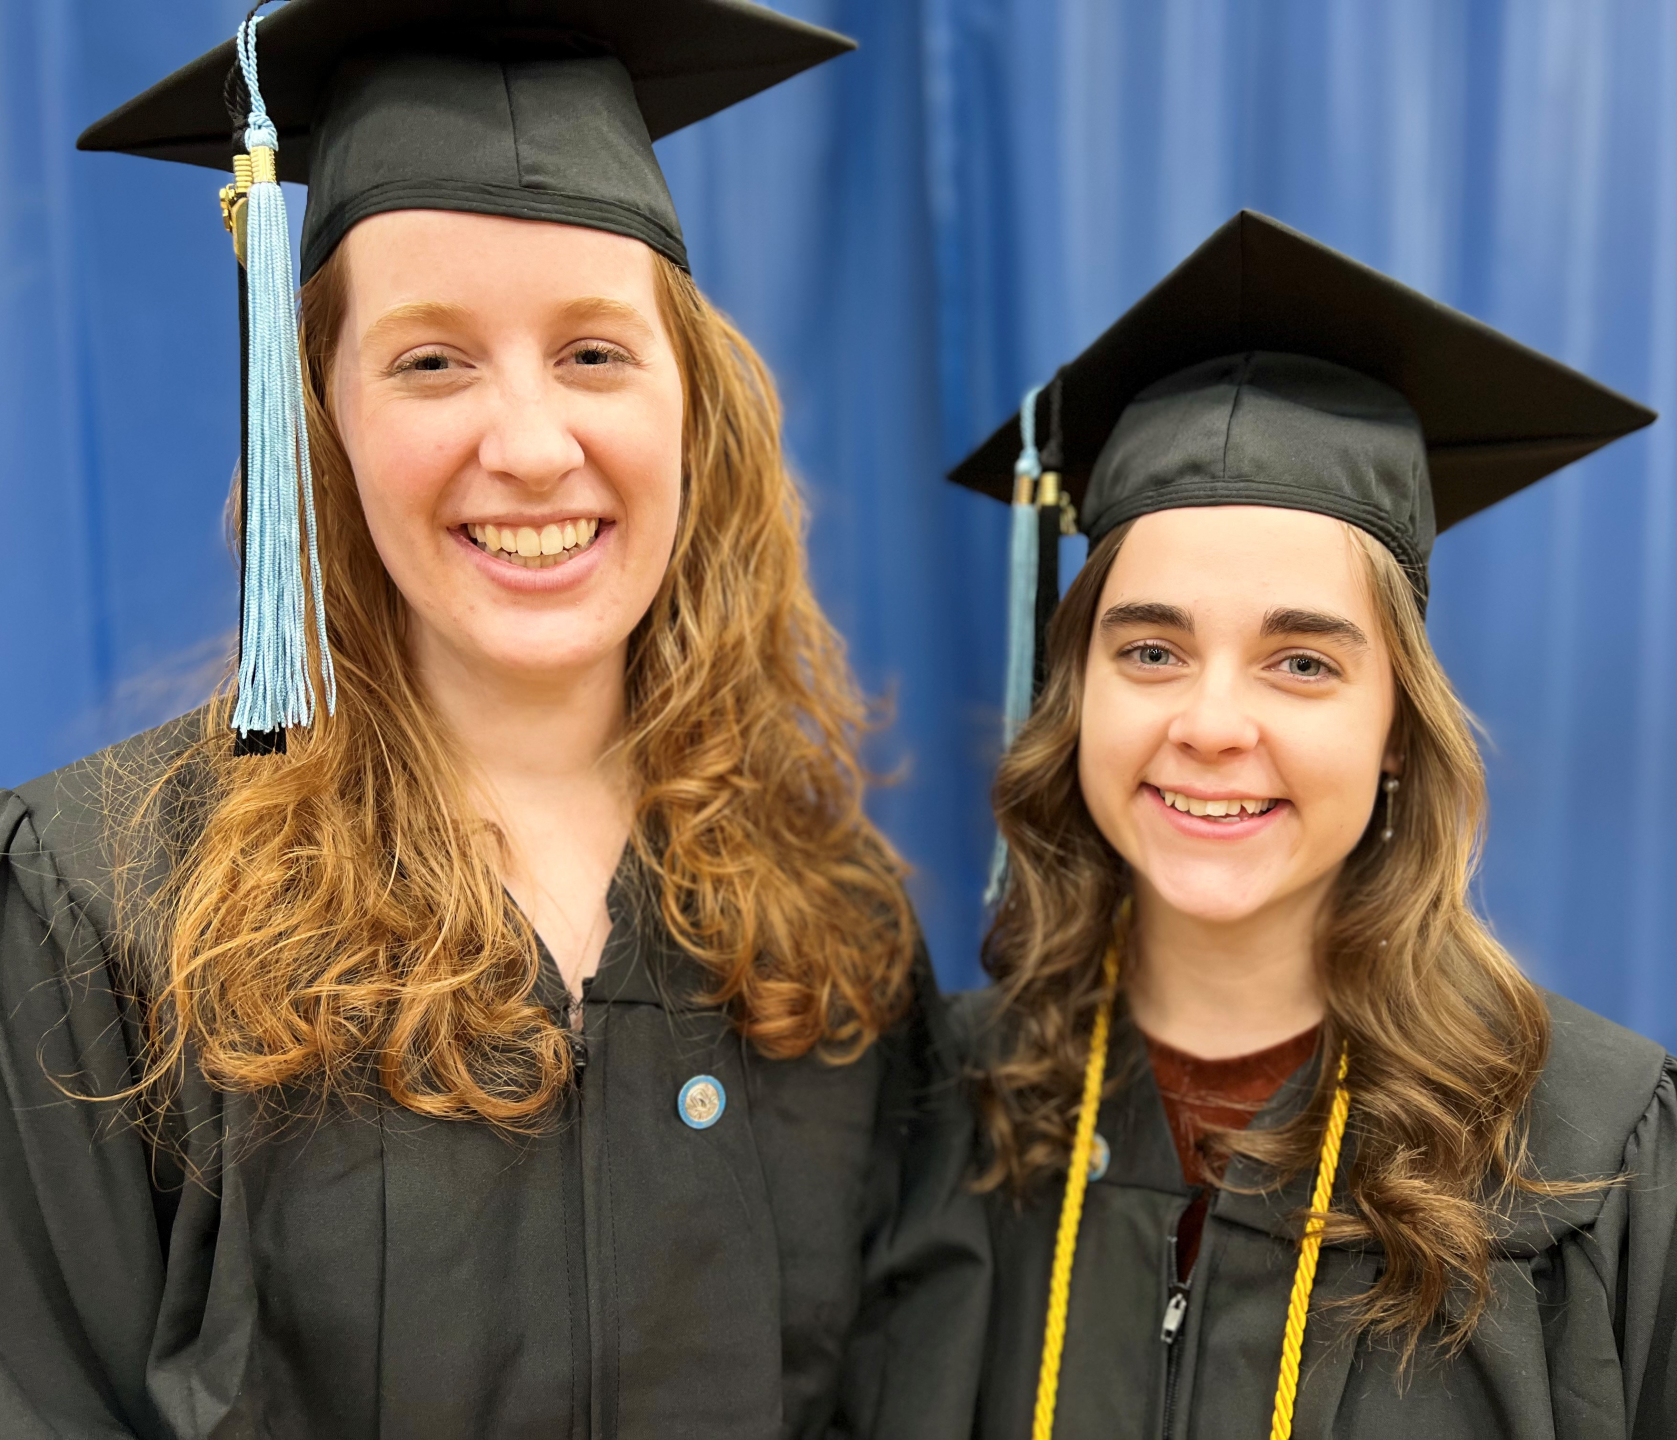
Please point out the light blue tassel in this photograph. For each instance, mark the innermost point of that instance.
(1021, 605)
(275, 687)
(1021, 574)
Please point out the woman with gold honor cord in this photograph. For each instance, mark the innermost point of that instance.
(1280, 1141)
(493, 1014)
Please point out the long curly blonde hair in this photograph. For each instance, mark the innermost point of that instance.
(335, 916)
(1446, 1036)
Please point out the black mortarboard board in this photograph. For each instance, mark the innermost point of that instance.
(533, 109)
(537, 109)
(1269, 369)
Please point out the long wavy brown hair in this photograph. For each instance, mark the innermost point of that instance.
(1446, 1037)
(335, 916)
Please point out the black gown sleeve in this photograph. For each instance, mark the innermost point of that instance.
(1638, 1228)
(912, 1366)
(81, 1263)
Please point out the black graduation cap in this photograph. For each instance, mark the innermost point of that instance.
(538, 109)
(534, 109)
(1267, 369)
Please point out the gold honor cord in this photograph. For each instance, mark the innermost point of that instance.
(1071, 1211)
(1071, 1216)
(1304, 1278)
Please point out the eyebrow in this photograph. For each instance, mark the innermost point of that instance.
(599, 307)
(418, 312)
(1313, 622)
(1147, 612)
(439, 312)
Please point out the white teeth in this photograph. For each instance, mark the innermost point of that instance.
(535, 549)
(1215, 809)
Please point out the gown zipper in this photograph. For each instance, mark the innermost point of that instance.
(1170, 1328)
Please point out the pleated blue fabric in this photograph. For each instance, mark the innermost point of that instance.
(913, 235)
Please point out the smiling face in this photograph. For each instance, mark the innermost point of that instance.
(511, 405)
(1237, 709)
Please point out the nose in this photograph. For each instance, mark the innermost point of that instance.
(1214, 722)
(530, 437)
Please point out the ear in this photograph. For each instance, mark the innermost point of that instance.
(1391, 763)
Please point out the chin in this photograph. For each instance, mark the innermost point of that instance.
(1212, 894)
(1214, 910)
(528, 653)
(536, 664)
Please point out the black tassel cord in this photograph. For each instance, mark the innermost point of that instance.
(1048, 521)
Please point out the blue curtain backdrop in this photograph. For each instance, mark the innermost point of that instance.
(912, 236)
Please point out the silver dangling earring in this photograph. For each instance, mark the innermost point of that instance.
(1390, 786)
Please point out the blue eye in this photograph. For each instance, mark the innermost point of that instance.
(1306, 667)
(1148, 654)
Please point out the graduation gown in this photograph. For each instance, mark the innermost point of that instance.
(1581, 1342)
(809, 1265)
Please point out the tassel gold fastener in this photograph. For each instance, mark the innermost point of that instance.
(1051, 495)
(235, 196)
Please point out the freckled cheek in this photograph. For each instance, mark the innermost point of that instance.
(641, 460)
(402, 467)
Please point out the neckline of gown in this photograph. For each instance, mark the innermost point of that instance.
(640, 963)
(1144, 1156)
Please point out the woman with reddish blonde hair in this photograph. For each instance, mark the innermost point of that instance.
(494, 1013)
